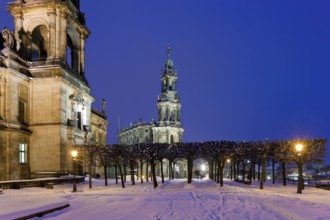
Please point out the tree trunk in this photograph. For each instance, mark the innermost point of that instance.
(147, 172)
(283, 174)
(254, 170)
(234, 170)
(190, 162)
(169, 169)
(161, 170)
(263, 172)
(222, 164)
(302, 176)
(259, 165)
(121, 176)
(237, 169)
(125, 173)
(210, 162)
(243, 171)
(137, 170)
(132, 172)
(250, 172)
(105, 175)
(215, 171)
(90, 175)
(218, 172)
(116, 174)
(273, 171)
(153, 173)
(173, 170)
(141, 171)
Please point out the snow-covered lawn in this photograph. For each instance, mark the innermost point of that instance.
(203, 199)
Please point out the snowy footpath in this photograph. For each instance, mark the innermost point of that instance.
(203, 199)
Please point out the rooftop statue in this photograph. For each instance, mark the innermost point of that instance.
(9, 38)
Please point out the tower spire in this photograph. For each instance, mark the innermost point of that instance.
(168, 52)
(169, 100)
(168, 62)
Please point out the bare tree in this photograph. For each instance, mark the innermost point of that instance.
(103, 159)
(119, 156)
(87, 154)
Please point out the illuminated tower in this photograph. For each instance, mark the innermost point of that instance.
(168, 129)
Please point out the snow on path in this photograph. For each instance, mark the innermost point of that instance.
(177, 200)
(20, 203)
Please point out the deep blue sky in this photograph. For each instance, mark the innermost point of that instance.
(248, 70)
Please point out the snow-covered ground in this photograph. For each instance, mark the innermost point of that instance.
(203, 199)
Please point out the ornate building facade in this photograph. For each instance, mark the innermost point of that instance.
(45, 100)
(168, 128)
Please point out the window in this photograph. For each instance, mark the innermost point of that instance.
(79, 120)
(100, 139)
(39, 42)
(69, 56)
(21, 112)
(172, 139)
(35, 55)
(23, 153)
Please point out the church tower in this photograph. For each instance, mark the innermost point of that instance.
(168, 129)
(51, 29)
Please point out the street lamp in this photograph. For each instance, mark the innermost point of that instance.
(299, 148)
(74, 154)
(229, 166)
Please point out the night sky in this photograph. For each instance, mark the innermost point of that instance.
(247, 70)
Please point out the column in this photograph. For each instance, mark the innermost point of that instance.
(82, 54)
(63, 35)
(52, 34)
(58, 34)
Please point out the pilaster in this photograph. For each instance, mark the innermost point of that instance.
(82, 53)
(52, 34)
(63, 39)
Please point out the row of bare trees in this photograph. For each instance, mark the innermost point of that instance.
(216, 153)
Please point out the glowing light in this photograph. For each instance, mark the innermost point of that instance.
(228, 160)
(299, 147)
(203, 167)
(74, 153)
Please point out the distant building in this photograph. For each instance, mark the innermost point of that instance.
(45, 100)
(168, 128)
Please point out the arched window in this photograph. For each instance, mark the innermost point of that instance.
(72, 52)
(172, 139)
(69, 50)
(39, 42)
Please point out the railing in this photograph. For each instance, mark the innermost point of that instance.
(17, 184)
(45, 61)
(323, 183)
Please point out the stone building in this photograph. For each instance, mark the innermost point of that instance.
(168, 128)
(45, 100)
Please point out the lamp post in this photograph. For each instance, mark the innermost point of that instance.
(299, 148)
(74, 154)
(229, 165)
